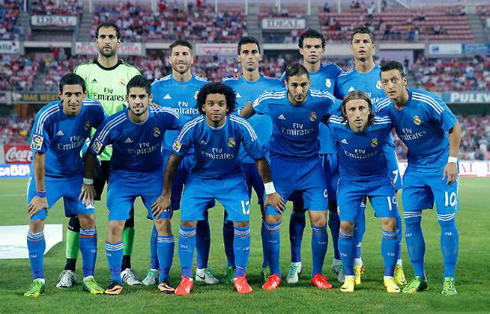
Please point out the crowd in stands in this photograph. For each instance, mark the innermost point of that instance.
(454, 74)
(18, 72)
(198, 22)
(14, 130)
(9, 12)
(51, 7)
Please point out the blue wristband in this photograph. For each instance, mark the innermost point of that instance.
(41, 193)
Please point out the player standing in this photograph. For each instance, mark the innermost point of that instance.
(105, 78)
(58, 134)
(179, 91)
(136, 135)
(248, 87)
(364, 174)
(216, 136)
(433, 135)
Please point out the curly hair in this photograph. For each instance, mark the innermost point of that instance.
(216, 88)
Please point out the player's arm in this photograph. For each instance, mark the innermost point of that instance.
(39, 201)
(451, 169)
(87, 195)
(272, 197)
(247, 111)
(163, 202)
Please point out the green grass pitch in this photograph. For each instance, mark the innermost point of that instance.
(472, 271)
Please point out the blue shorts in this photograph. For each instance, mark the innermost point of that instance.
(300, 175)
(331, 169)
(392, 162)
(381, 194)
(422, 189)
(124, 189)
(68, 188)
(231, 192)
(180, 177)
(254, 181)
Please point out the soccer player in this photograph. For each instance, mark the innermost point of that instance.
(296, 112)
(323, 77)
(364, 174)
(365, 77)
(179, 92)
(249, 86)
(432, 134)
(216, 136)
(105, 78)
(58, 134)
(136, 135)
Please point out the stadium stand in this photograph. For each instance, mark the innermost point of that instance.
(9, 13)
(49, 7)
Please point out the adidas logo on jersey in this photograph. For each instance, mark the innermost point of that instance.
(60, 133)
(167, 96)
(344, 141)
(281, 117)
(94, 81)
(128, 140)
(351, 89)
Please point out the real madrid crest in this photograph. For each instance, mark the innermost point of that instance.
(195, 94)
(378, 85)
(122, 82)
(374, 142)
(156, 132)
(417, 120)
(313, 116)
(231, 142)
(87, 126)
(328, 83)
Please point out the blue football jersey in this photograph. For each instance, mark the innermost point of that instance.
(361, 155)
(295, 127)
(181, 97)
(217, 149)
(247, 92)
(137, 148)
(62, 137)
(423, 125)
(367, 82)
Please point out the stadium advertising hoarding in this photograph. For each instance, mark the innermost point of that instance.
(128, 49)
(34, 98)
(54, 20)
(283, 23)
(216, 50)
(9, 47)
(459, 49)
(16, 154)
(467, 168)
(466, 97)
(14, 171)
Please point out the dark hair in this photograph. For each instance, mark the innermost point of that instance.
(357, 94)
(392, 65)
(72, 79)
(216, 88)
(180, 42)
(108, 24)
(139, 81)
(247, 40)
(295, 69)
(311, 33)
(362, 30)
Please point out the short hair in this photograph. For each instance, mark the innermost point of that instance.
(357, 94)
(295, 69)
(311, 33)
(216, 88)
(108, 24)
(72, 79)
(247, 40)
(139, 81)
(392, 65)
(180, 42)
(362, 30)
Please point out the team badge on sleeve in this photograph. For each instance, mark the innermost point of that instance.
(328, 83)
(97, 146)
(374, 142)
(417, 120)
(177, 146)
(231, 142)
(156, 132)
(37, 142)
(313, 116)
(87, 126)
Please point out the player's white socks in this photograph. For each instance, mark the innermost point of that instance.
(399, 262)
(358, 261)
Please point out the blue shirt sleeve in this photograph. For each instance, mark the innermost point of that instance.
(184, 141)
(249, 140)
(99, 116)
(101, 139)
(40, 136)
(260, 105)
(441, 114)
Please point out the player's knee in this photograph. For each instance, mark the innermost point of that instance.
(114, 231)
(164, 227)
(74, 224)
(412, 219)
(388, 224)
(36, 225)
(273, 219)
(318, 218)
(188, 224)
(347, 226)
(87, 221)
(241, 224)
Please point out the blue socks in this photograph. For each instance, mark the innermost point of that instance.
(187, 244)
(360, 228)
(273, 245)
(228, 236)
(88, 247)
(297, 225)
(114, 252)
(334, 225)
(399, 235)
(347, 248)
(241, 248)
(36, 244)
(415, 241)
(203, 242)
(165, 252)
(153, 249)
(449, 242)
(265, 262)
(319, 242)
(389, 246)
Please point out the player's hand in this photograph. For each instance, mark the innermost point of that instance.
(161, 205)
(37, 204)
(276, 201)
(87, 195)
(451, 172)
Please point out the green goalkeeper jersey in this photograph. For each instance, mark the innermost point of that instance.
(107, 85)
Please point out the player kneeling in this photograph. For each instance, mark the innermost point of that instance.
(216, 136)
(364, 173)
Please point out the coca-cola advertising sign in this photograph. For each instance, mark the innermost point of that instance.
(17, 154)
